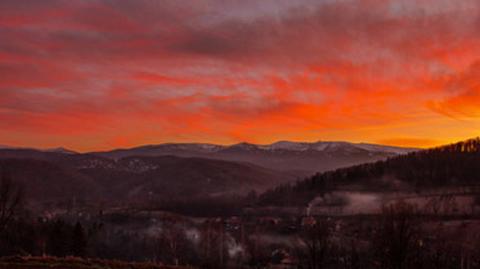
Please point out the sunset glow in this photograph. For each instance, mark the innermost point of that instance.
(95, 75)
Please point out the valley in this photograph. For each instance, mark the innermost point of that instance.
(227, 214)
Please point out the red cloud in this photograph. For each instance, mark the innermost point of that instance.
(463, 100)
(83, 72)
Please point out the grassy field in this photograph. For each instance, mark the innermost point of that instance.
(73, 263)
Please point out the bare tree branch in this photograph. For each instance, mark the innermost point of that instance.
(11, 197)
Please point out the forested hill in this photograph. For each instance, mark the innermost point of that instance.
(452, 165)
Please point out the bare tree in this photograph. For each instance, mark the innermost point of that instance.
(171, 244)
(258, 253)
(10, 199)
(397, 236)
(317, 243)
(213, 244)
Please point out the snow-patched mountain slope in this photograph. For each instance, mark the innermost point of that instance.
(288, 145)
(324, 146)
(175, 148)
(316, 146)
(381, 148)
(299, 157)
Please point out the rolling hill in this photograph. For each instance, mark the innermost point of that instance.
(59, 178)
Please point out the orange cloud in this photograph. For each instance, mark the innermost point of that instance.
(93, 75)
(463, 100)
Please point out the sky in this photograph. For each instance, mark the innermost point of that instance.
(101, 74)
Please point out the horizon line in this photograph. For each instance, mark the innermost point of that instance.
(379, 143)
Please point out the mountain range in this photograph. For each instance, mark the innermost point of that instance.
(170, 171)
(296, 158)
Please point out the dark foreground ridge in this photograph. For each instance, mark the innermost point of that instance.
(455, 165)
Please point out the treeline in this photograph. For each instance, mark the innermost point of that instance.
(398, 239)
(452, 165)
(54, 238)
